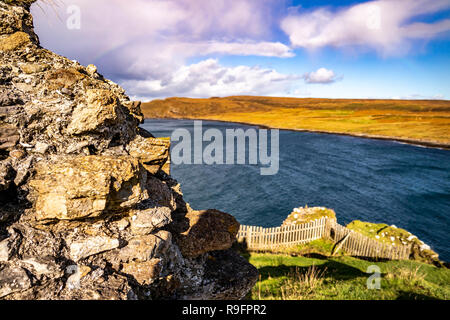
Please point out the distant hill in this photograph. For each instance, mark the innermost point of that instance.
(425, 122)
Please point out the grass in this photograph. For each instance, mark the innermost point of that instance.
(319, 246)
(392, 235)
(308, 272)
(421, 121)
(283, 277)
(383, 232)
(300, 284)
(315, 247)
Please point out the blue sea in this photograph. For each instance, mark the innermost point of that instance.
(365, 179)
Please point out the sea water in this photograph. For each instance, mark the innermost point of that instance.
(365, 179)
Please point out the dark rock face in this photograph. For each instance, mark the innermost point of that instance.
(197, 238)
(88, 209)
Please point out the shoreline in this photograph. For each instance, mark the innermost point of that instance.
(417, 143)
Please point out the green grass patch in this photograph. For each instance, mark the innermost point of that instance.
(345, 278)
(383, 232)
(315, 247)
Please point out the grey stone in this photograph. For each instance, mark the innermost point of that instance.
(41, 147)
(13, 279)
(87, 247)
(145, 221)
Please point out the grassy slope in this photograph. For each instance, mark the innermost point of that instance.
(343, 277)
(426, 122)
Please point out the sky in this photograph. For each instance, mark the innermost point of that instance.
(384, 49)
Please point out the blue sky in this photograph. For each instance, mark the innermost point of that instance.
(313, 48)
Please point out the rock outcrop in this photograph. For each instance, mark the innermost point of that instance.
(88, 209)
(392, 235)
(307, 214)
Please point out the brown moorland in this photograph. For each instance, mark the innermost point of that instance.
(424, 122)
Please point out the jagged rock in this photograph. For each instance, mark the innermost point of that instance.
(223, 280)
(217, 277)
(134, 108)
(152, 152)
(145, 221)
(22, 166)
(34, 241)
(12, 279)
(161, 193)
(88, 208)
(81, 187)
(63, 78)
(41, 147)
(9, 136)
(102, 109)
(4, 250)
(30, 68)
(42, 267)
(6, 175)
(8, 98)
(144, 272)
(91, 69)
(87, 247)
(197, 239)
(144, 248)
(17, 154)
(16, 18)
(14, 41)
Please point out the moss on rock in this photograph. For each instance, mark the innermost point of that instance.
(395, 236)
(304, 215)
(14, 41)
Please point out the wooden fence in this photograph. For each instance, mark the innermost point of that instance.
(351, 242)
(357, 244)
(259, 238)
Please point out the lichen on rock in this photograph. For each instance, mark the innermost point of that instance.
(87, 186)
(307, 214)
(88, 209)
(394, 236)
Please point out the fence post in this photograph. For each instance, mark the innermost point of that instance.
(250, 235)
(259, 238)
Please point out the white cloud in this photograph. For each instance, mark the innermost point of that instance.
(387, 26)
(246, 48)
(208, 78)
(220, 26)
(146, 45)
(159, 59)
(322, 75)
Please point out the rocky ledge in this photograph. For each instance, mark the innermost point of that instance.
(88, 209)
(307, 214)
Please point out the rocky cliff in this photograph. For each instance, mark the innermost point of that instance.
(88, 209)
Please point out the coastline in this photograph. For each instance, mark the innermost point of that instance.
(417, 143)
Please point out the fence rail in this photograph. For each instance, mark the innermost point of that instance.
(353, 243)
(259, 238)
(357, 244)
